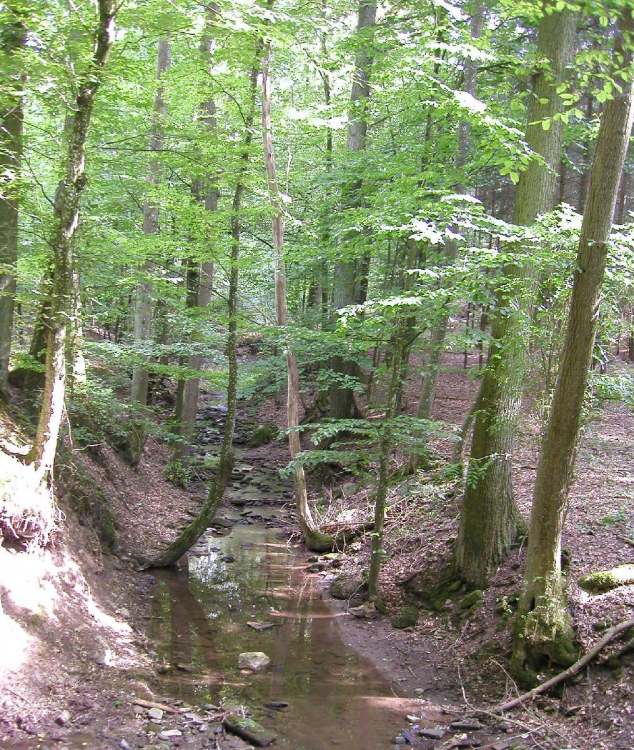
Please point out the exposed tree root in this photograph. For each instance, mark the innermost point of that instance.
(567, 673)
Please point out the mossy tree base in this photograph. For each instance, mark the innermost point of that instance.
(544, 636)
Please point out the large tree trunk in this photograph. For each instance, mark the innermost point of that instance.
(313, 538)
(12, 39)
(191, 533)
(350, 276)
(65, 221)
(544, 628)
(489, 521)
(142, 322)
(199, 277)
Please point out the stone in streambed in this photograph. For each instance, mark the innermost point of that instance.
(170, 734)
(156, 714)
(249, 730)
(256, 661)
(349, 587)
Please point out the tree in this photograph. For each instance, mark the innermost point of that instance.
(313, 538)
(544, 629)
(489, 520)
(199, 276)
(351, 274)
(142, 322)
(65, 222)
(193, 531)
(12, 40)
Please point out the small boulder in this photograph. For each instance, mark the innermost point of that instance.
(406, 617)
(156, 714)
(63, 718)
(350, 587)
(249, 730)
(255, 661)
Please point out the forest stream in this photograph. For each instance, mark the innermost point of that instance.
(200, 623)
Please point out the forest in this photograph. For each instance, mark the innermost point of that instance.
(316, 374)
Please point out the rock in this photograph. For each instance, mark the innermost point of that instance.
(365, 611)
(228, 558)
(433, 733)
(317, 567)
(261, 625)
(249, 730)
(256, 661)
(123, 745)
(155, 714)
(462, 740)
(276, 705)
(472, 600)
(466, 725)
(406, 617)
(350, 587)
(170, 734)
(419, 691)
(400, 740)
(63, 718)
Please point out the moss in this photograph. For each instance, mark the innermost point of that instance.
(472, 600)
(605, 580)
(406, 617)
(544, 636)
(263, 434)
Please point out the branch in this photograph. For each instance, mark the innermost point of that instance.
(570, 672)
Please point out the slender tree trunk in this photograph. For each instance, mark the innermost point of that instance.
(12, 39)
(350, 276)
(544, 628)
(489, 520)
(142, 322)
(313, 538)
(65, 221)
(377, 553)
(191, 533)
(199, 278)
(436, 344)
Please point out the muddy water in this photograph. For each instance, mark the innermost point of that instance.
(200, 626)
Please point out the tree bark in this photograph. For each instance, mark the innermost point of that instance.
(12, 40)
(142, 323)
(350, 275)
(65, 222)
(489, 520)
(313, 538)
(191, 533)
(544, 628)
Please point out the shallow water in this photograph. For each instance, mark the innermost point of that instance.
(336, 699)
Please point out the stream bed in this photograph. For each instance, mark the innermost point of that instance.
(252, 575)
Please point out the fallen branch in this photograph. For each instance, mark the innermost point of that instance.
(570, 672)
(153, 704)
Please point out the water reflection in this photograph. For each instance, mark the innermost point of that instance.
(200, 624)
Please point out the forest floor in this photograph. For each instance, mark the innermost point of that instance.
(80, 650)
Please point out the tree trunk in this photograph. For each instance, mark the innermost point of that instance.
(313, 538)
(142, 323)
(191, 533)
(440, 327)
(65, 221)
(544, 628)
(199, 278)
(489, 520)
(350, 276)
(12, 41)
